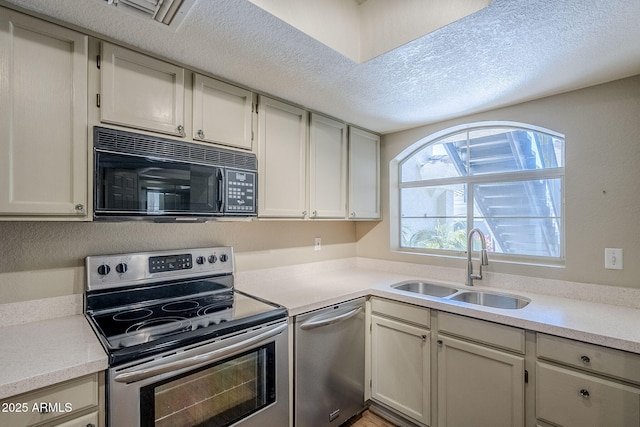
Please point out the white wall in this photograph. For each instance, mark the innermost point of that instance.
(601, 125)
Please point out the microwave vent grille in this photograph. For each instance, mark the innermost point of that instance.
(145, 145)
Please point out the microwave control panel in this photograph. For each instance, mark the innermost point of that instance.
(241, 192)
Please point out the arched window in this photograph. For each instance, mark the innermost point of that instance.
(505, 178)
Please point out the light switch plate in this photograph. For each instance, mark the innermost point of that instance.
(613, 258)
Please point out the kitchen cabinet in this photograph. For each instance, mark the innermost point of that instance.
(282, 154)
(480, 373)
(141, 92)
(401, 357)
(327, 168)
(222, 113)
(74, 403)
(580, 384)
(364, 174)
(43, 119)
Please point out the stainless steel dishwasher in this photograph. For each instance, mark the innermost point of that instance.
(329, 364)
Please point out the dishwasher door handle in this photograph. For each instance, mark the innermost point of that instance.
(330, 321)
(144, 373)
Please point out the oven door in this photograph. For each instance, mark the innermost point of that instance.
(130, 185)
(237, 380)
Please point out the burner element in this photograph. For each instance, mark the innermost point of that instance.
(178, 306)
(131, 315)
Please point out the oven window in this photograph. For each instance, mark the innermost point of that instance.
(215, 396)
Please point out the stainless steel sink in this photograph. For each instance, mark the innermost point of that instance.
(425, 288)
(491, 300)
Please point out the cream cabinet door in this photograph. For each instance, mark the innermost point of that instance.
(478, 386)
(141, 92)
(364, 175)
(43, 118)
(327, 168)
(221, 113)
(400, 367)
(282, 151)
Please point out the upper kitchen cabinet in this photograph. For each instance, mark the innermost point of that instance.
(364, 174)
(327, 168)
(141, 92)
(222, 113)
(282, 151)
(43, 119)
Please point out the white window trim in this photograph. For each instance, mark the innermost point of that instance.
(394, 195)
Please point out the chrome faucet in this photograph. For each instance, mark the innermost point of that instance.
(484, 258)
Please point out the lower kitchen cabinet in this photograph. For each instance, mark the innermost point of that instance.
(481, 373)
(400, 358)
(580, 384)
(74, 403)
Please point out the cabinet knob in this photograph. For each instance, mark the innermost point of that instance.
(352, 214)
(585, 359)
(79, 208)
(314, 213)
(180, 130)
(200, 134)
(424, 338)
(440, 343)
(584, 393)
(304, 213)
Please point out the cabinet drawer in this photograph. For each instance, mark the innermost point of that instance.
(486, 332)
(402, 311)
(591, 357)
(49, 403)
(570, 398)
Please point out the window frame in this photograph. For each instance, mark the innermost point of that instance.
(396, 185)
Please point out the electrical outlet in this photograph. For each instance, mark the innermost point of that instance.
(613, 258)
(317, 244)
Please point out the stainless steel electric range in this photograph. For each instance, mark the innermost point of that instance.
(185, 347)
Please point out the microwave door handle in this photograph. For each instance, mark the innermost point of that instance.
(141, 374)
(220, 201)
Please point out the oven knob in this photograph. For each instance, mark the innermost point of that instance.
(224, 257)
(200, 260)
(213, 259)
(103, 269)
(121, 268)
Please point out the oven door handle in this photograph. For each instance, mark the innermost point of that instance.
(141, 374)
(330, 321)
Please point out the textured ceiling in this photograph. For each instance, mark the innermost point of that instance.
(509, 52)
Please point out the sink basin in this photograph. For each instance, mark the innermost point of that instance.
(491, 300)
(425, 288)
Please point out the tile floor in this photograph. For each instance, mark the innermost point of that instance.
(369, 419)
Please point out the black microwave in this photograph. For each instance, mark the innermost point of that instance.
(143, 177)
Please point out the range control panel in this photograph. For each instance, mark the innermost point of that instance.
(108, 271)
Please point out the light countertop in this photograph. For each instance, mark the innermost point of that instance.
(609, 325)
(46, 352)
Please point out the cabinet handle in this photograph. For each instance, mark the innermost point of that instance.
(353, 214)
(200, 134)
(584, 393)
(91, 425)
(304, 213)
(180, 130)
(585, 360)
(424, 338)
(439, 343)
(314, 213)
(79, 208)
